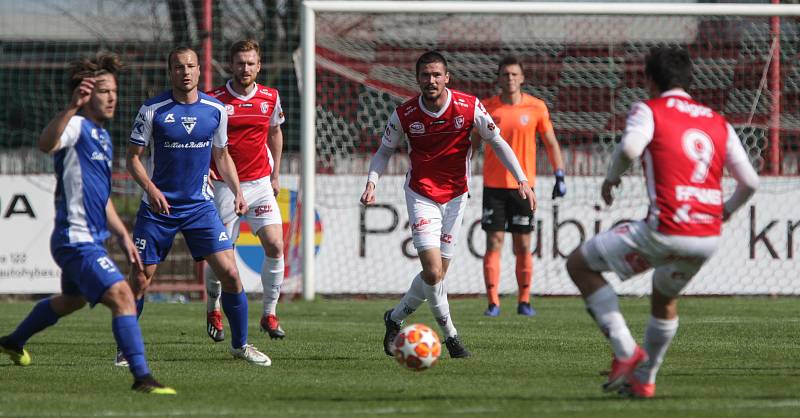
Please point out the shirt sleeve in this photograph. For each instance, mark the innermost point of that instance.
(639, 128)
(544, 124)
(221, 134)
(484, 123)
(389, 142)
(739, 166)
(71, 133)
(277, 113)
(142, 131)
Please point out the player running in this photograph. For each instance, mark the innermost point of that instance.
(82, 153)
(520, 117)
(684, 146)
(254, 116)
(437, 125)
(186, 129)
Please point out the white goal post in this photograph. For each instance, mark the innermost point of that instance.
(310, 9)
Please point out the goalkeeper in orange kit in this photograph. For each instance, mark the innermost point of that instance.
(520, 117)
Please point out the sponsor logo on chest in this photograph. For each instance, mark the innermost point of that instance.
(416, 128)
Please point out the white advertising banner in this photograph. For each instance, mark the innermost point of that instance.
(369, 250)
(26, 221)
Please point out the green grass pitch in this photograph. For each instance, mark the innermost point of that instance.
(732, 357)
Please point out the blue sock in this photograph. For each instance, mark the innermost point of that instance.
(139, 307)
(235, 307)
(42, 316)
(129, 340)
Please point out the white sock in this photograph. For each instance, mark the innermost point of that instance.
(440, 308)
(213, 289)
(411, 301)
(658, 336)
(271, 280)
(604, 306)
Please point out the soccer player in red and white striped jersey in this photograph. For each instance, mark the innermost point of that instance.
(255, 142)
(437, 125)
(684, 146)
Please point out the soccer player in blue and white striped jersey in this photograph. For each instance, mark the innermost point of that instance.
(185, 129)
(82, 151)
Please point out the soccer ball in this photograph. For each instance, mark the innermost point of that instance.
(417, 347)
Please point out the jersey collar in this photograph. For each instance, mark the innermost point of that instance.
(239, 96)
(676, 92)
(442, 110)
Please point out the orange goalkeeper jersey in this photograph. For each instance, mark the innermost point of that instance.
(518, 125)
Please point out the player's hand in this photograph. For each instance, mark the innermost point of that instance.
(528, 194)
(560, 188)
(83, 93)
(368, 197)
(158, 203)
(131, 252)
(606, 191)
(239, 204)
(276, 185)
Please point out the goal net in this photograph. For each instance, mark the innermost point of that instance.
(588, 69)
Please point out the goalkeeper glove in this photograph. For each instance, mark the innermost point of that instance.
(560, 188)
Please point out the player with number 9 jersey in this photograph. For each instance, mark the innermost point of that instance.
(684, 146)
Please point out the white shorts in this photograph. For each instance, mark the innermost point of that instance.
(632, 248)
(262, 209)
(432, 224)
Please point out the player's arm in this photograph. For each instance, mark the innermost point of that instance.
(486, 129)
(51, 136)
(737, 163)
(156, 199)
(553, 150)
(392, 136)
(638, 134)
(117, 227)
(275, 144)
(141, 135)
(224, 162)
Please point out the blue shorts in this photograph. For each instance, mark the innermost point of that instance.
(86, 270)
(202, 229)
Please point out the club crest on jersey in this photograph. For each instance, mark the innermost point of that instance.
(264, 107)
(170, 118)
(188, 123)
(523, 120)
(416, 128)
(229, 109)
(459, 121)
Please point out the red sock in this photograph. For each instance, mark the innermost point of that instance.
(491, 275)
(524, 272)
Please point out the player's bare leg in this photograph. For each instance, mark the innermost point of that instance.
(603, 305)
(491, 270)
(271, 237)
(234, 304)
(524, 272)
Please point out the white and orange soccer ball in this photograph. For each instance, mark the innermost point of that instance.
(417, 347)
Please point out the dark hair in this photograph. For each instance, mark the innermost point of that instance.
(429, 58)
(669, 67)
(175, 51)
(244, 46)
(509, 60)
(102, 63)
